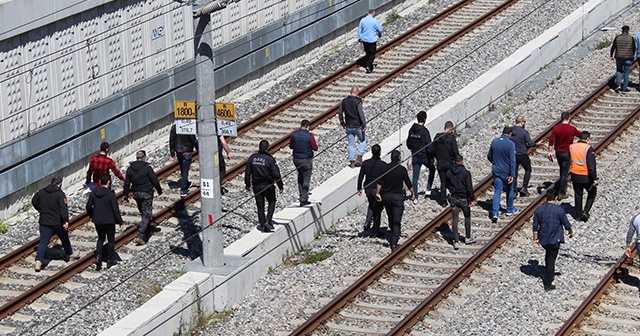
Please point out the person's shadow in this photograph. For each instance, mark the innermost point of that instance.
(624, 277)
(186, 224)
(534, 269)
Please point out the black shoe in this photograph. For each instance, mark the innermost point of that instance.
(524, 193)
(305, 203)
(267, 227)
(584, 217)
(394, 246)
(562, 196)
(549, 288)
(98, 262)
(111, 263)
(625, 90)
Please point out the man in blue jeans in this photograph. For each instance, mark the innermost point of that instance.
(352, 120)
(624, 48)
(502, 155)
(51, 203)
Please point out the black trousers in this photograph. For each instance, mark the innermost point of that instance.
(524, 161)
(442, 172)
(144, 200)
(304, 168)
(374, 211)
(370, 51)
(458, 204)
(107, 231)
(550, 256)
(578, 191)
(394, 206)
(260, 195)
(564, 162)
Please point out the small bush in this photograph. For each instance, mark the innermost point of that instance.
(312, 258)
(4, 227)
(604, 44)
(392, 17)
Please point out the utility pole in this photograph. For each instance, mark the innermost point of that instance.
(211, 210)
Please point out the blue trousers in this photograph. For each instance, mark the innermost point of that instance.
(623, 66)
(46, 232)
(500, 184)
(352, 133)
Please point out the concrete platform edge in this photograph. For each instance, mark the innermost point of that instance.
(254, 254)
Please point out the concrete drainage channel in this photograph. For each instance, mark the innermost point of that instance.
(248, 259)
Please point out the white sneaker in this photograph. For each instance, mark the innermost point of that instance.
(427, 192)
(415, 200)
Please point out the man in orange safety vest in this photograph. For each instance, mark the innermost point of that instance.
(583, 175)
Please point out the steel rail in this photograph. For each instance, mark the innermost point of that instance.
(18, 254)
(587, 305)
(387, 263)
(441, 292)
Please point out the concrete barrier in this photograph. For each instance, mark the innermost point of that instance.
(249, 258)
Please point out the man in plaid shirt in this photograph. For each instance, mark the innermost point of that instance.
(101, 164)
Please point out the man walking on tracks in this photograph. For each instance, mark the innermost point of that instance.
(303, 144)
(101, 164)
(561, 138)
(634, 229)
(352, 120)
(103, 210)
(142, 180)
(548, 220)
(389, 191)
(372, 168)
(502, 155)
(583, 175)
(183, 146)
(369, 30)
(445, 148)
(523, 142)
(462, 198)
(262, 173)
(418, 141)
(624, 49)
(51, 203)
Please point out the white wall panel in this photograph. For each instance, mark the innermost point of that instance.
(55, 70)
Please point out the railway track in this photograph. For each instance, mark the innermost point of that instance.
(317, 103)
(398, 294)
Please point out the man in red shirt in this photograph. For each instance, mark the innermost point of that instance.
(101, 164)
(561, 138)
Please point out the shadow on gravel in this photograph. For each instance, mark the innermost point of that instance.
(189, 229)
(533, 269)
(626, 278)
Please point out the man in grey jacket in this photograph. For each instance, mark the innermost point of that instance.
(634, 228)
(352, 120)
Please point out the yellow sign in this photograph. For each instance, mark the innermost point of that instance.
(184, 109)
(225, 111)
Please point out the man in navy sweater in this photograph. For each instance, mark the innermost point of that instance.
(303, 144)
(548, 220)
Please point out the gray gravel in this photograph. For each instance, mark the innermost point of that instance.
(290, 291)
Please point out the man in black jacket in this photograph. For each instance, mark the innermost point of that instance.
(262, 173)
(461, 189)
(389, 191)
(51, 203)
(445, 148)
(352, 120)
(141, 178)
(103, 210)
(418, 141)
(183, 146)
(372, 168)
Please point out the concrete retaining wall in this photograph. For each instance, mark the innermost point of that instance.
(249, 258)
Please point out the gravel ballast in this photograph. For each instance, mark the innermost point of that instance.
(285, 297)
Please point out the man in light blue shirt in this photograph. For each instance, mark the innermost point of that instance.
(369, 30)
